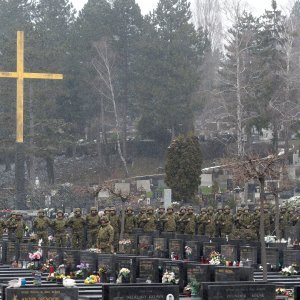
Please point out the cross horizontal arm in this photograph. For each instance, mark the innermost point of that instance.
(43, 76)
(8, 75)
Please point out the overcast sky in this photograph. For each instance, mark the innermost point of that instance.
(147, 5)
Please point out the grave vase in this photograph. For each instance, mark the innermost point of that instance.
(103, 278)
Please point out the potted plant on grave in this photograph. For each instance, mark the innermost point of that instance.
(195, 287)
(123, 276)
(92, 279)
(82, 270)
(289, 271)
(59, 277)
(285, 292)
(169, 277)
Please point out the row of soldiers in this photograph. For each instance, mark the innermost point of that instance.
(104, 231)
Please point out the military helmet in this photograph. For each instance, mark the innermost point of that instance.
(112, 208)
(19, 214)
(41, 211)
(59, 212)
(210, 208)
(106, 209)
(93, 209)
(149, 209)
(182, 208)
(170, 208)
(129, 208)
(203, 209)
(105, 219)
(227, 207)
(76, 210)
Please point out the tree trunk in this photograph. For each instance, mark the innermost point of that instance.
(277, 231)
(239, 111)
(50, 169)
(262, 229)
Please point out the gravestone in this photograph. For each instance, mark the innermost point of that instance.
(167, 235)
(229, 252)
(195, 247)
(128, 262)
(177, 268)
(55, 292)
(145, 292)
(56, 255)
(176, 248)
(71, 259)
(291, 257)
(89, 258)
(233, 274)
(248, 255)
(219, 241)
(273, 257)
(207, 249)
(145, 245)
(297, 292)
(160, 247)
(198, 272)
(148, 270)
(107, 262)
(247, 291)
(11, 252)
(25, 248)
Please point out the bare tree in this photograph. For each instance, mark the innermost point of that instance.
(104, 66)
(252, 167)
(208, 15)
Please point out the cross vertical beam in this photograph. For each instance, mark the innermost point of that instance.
(20, 88)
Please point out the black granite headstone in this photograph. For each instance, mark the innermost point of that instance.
(89, 258)
(273, 257)
(198, 272)
(142, 292)
(195, 247)
(176, 267)
(11, 252)
(160, 247)
(176, 248)
(248, 255)
(57, 293)
(233, 274)
(229, 252)
(148, 270)
(56, 255)
(128, 262)
(291, 257)
(297, 292)
(71, 259)
(247, 291)
(207, 249)
(25, 248)
(107, 262)
(145, 245)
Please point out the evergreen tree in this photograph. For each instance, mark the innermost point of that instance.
(183, 167)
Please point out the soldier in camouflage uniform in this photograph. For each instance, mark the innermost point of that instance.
(59, 227)
(41, 225)
(169, 220)
(2, 228)
(105, 236)
(20, 228)
(107, 212)
(159, 218)
(227, 224)
(219, 220)
(149, 220)
(115, 223)
(238, 218)
(140, 216)
(201, 221)
(11, 226)
(76, 223)
(190, 221)
(210, 228)
(130, 221)
(180, 220)
(92, 223)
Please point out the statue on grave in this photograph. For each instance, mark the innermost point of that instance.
(114, 220)
(20, 228)
(11, 226)
(77, 223)
(210, 223)
(140, 217)
(92, 223)
(201, 221)
(105, 236)
(170, 220)
(59, 227)
(149, 220)
(130, 221)
(40, 226)
(190, 221)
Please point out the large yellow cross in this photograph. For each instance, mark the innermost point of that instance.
(20, 75)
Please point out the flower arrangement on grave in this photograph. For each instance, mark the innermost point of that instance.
(123, 275)
(48, 266)
(125, 242)
(59, 277)
(188, 251)
(92, 279)
(187, 291)
(102, 270)
(35, 258)
(144, 246)
(288, 271)
(82, 270)
(125, 245)
(285, 292)
(270, 239)
(94, 250)
(169, 277)
(215, 258)
(195, 287)
(51, 240)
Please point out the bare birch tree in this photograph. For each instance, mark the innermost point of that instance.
(104, 66)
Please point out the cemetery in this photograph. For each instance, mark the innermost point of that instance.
(152, 266)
